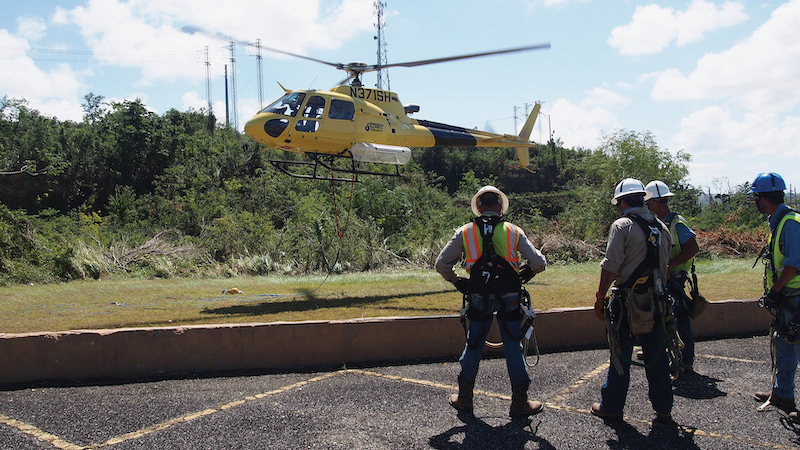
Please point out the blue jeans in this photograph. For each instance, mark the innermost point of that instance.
(615, 390)
(515, 359)
(676, 287)
(787, 357)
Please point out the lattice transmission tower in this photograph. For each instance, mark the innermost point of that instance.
(380, 24)
(234, 113)
(259, 76)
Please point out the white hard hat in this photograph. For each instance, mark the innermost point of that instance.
(484, 190)
(629, 186)
(658, 189)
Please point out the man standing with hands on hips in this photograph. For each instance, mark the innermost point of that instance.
(491, 248)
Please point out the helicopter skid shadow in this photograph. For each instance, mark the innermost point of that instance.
(310, 303)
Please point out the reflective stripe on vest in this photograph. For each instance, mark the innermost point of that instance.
(778, 257)
(677, 248)
(505, 239)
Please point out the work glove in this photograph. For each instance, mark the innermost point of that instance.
(526, 274)
(771, 300)
(462, 284)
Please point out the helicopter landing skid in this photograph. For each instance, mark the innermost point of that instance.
(326, 162)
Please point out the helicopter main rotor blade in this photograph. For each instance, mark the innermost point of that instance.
(336, 65)
(473, 55)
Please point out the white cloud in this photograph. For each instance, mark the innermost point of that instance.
(147, 33)
(56, 91)
(653, 27)
(761, 72)
(589, 119)
(721, 144)
(192, 100)
(716, 132)
(31, 28)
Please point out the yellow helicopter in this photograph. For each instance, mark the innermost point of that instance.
(364, 125)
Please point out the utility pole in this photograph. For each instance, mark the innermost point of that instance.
(380, 25)
(259, 76)
(232, 47)
(516, 108)
(227, 108)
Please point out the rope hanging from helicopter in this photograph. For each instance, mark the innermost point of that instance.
(340, 233)
(494, 150)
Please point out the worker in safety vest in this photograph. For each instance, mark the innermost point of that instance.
(630, 311)
(491, 249)
(781, 288)
(681, 260)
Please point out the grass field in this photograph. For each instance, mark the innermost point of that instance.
(121, 303)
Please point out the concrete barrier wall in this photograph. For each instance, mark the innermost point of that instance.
(137, 352)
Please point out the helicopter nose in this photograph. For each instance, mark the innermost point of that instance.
(255, 127)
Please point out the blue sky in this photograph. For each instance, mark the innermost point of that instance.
(719, 80)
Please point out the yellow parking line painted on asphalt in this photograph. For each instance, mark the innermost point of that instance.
(206, 412)
(64, 445)
(34, 432)
(728, 358)
(581, 381)
(427, 383)
(565, 392)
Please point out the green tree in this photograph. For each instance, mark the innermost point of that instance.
(622, 154)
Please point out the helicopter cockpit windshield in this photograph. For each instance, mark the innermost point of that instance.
(288, 105)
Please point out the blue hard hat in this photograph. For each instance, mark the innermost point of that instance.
(767, 182)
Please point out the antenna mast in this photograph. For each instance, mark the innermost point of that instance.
(257, 45)
(232, 47)
(380, 25)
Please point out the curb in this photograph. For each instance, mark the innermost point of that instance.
(164, 351)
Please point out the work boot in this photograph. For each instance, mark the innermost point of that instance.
(786, 404)
(664, 420)
(598, 411)
(793, 417)
(520, 405)
(463, 400)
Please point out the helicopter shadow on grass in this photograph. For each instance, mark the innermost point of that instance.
(480, 435)
(310, 302)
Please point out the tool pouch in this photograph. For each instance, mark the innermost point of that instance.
(641, 309)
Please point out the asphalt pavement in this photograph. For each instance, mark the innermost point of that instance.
(403, 407)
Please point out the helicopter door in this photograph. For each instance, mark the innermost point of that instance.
(329, 134)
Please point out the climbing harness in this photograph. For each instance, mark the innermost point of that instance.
(493, 277)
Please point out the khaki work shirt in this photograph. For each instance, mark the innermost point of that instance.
(627, 248)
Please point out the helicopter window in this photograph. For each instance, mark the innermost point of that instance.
(307, 126)
(314, 107)
(341, 109)
(275, 127)
(288, 105)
